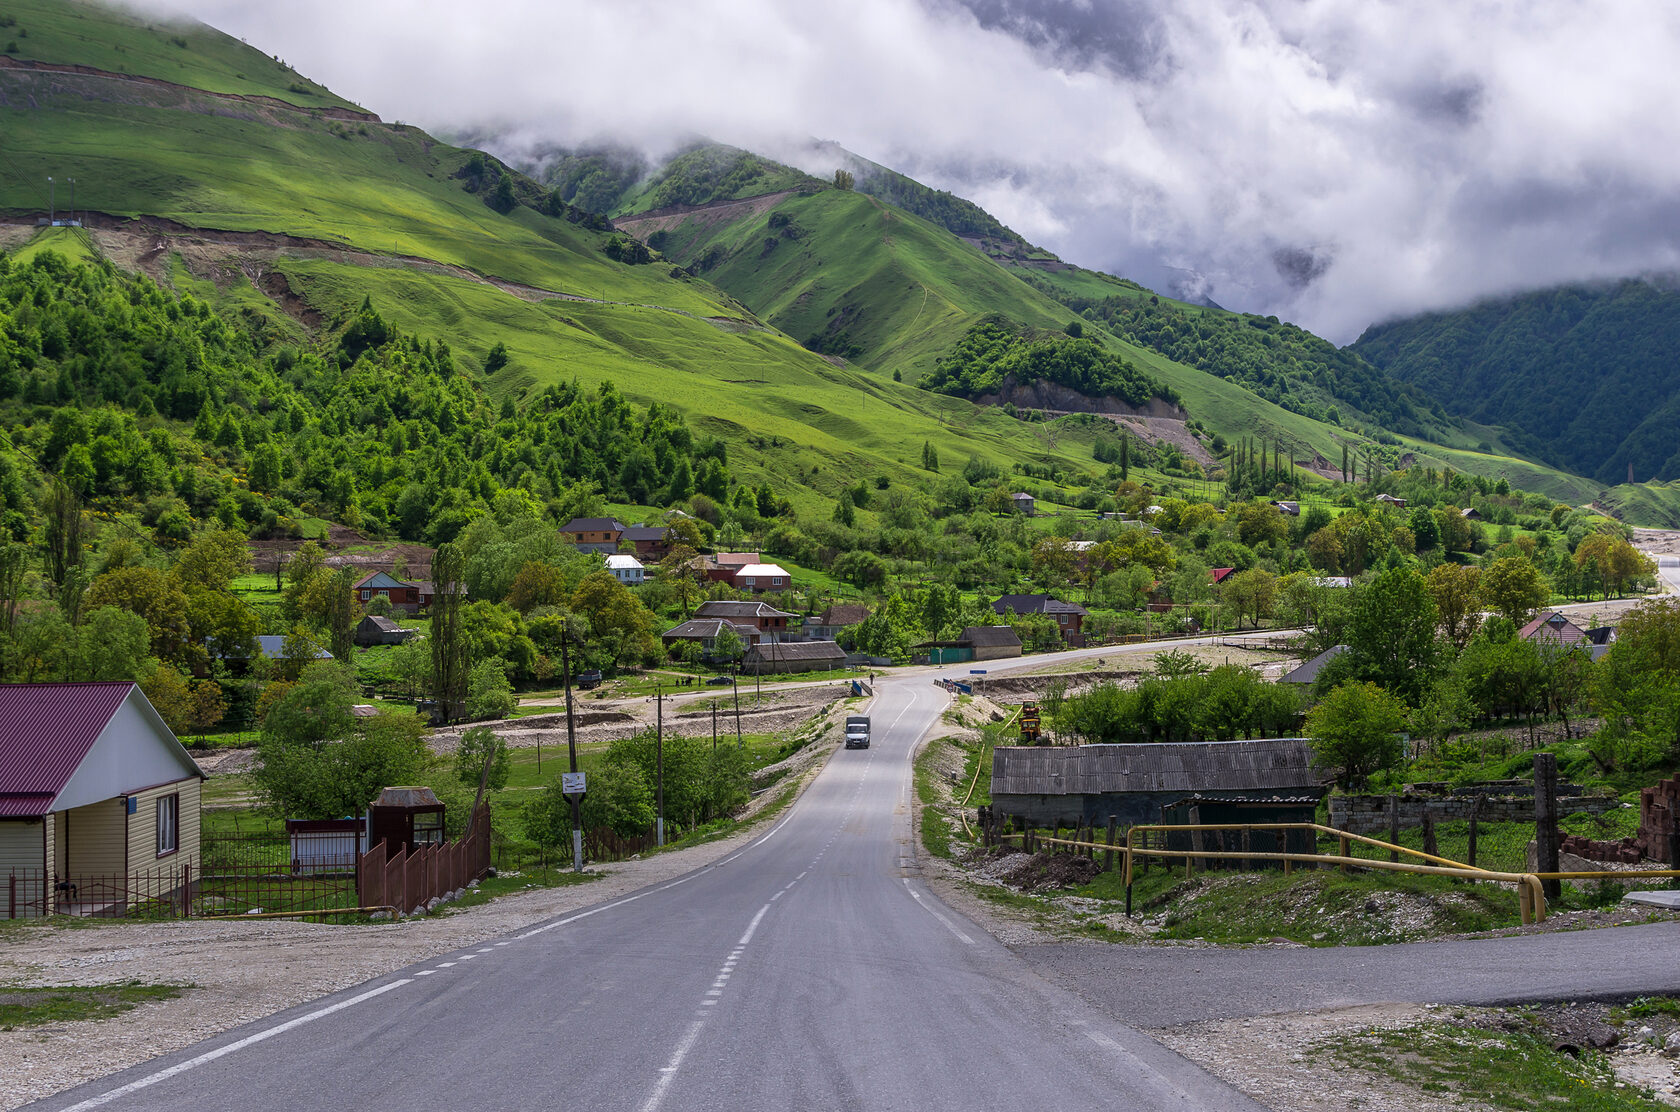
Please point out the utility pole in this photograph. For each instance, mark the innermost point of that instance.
(659, 766)
(72, 182)
(735, 686)
(714, 725)
(575, 798)
(52, 202)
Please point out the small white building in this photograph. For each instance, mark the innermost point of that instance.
(626, 569)
(763, 577)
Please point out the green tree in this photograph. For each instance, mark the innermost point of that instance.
(449, 649)
(1391, 633)
(1356, 731)
(481, 746)
(489, 694)
(1250, 594)
(1514, 588)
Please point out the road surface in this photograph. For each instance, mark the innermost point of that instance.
(812, 969)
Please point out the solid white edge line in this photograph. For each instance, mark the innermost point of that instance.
(222, 1051)
(925, 906)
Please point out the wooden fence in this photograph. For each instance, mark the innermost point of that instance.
(409, 881)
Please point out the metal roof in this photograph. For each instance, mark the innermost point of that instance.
(593, 525)
(1037, 604)
(797, 650)
(1268, 764)
(990, 636)
(1308, 672)
(727, 608)
(46, 729)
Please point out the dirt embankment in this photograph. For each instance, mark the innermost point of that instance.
(331, 112)
(644, 224)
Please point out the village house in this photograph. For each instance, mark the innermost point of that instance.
(793, 656)
(842, 615)
(375, 630)
(721, 567)
(1390, 500)
(974, 643)
(99, 803)
(625, 568)
(766, 622)
(593, 534)
(706, 631)
(403, 595)
(652, 542)
(410, 597)
(1070, 616)
(759, 578)
(1022, 502)
(1552, 628)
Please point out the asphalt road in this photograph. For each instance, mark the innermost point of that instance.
(812, 969)
(809, 970)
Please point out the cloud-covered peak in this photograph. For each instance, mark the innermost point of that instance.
(1333, 162)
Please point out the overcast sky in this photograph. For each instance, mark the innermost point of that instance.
(1335, 162)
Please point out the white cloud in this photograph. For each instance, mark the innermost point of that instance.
(1416, 156)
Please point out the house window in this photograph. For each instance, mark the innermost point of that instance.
(1063, 618)
(366, 595)
(428, 828)
(168, 824)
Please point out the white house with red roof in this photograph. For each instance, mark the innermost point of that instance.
(99, 803)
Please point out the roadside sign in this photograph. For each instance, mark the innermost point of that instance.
(573, 783)
(976, 671)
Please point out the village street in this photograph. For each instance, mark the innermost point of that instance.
(815, 966)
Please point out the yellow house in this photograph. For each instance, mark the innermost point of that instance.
(99, 803)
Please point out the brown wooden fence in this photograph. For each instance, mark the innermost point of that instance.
(409, 881)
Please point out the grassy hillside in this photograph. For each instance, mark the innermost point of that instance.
(1582, 375)
(182, 52)
(382, 211)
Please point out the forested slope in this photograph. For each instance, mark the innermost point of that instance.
(1581, 376)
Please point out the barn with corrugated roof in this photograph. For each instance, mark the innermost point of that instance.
(1266, 780)
(95, 791)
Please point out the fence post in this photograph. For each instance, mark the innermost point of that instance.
(186, 890)
(1247, 847)
(11, 897)
(1394, 826)
(1475, 817)
(1674, 851)
(1344, 852)
(1545, 820)
(1108, 856)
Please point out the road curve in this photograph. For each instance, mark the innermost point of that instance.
(811, 969)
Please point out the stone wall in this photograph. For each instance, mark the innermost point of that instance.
(1368, 814)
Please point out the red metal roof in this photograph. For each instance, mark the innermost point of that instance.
(46, 729)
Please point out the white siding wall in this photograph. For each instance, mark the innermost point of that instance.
(142, 828)
(21, 847)
(97, 840)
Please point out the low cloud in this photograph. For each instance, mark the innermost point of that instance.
(1335, 162)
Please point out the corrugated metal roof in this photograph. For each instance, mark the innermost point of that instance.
(1266, 764)
(46, 729)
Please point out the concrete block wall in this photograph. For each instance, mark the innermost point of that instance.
(1658, 806)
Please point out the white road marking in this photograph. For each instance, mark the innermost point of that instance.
(223, 1051)
(445, 964)
(931, 910)
(669, 1072)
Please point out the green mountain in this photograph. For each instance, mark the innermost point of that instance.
(289, 207)
(786, 317)
(1581, 377)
